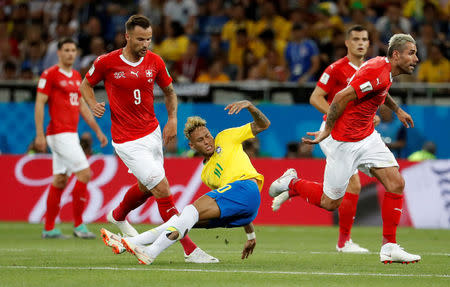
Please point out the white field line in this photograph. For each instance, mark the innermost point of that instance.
(219, 251)
(223, 271)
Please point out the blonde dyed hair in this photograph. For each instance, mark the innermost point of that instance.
(397, 43)
(191, 124)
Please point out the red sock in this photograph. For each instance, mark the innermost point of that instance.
(132, 200)
(53, 199)
(391, 211)
(347, 211)
(308, 190)
(79, 198)
(167, 209)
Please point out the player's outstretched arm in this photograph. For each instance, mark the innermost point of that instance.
(337, 107)
(251, 241)
(170, 129)
(40, 142)
(318, 100)
(260, 121)
(89, 119)
(403, 116)
(87, 92)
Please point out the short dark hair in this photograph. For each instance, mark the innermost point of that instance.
(137, 20)
(357, 28)
(65, 40)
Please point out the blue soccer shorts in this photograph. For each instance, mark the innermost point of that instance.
(238, 203)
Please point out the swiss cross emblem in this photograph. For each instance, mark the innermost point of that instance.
(148, 73)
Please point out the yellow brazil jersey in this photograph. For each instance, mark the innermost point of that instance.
(229, 161)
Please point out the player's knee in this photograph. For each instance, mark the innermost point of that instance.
(60, 181)
(329, 204)
(84, 175)
(397, 185)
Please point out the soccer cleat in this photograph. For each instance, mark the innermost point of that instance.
(124, 226)
(279, 200)
(81, 231)
(137, 251)
(351, 247)
(200, 256)
(55, 233)
(281, 184)
(393, 253)
(113, 240)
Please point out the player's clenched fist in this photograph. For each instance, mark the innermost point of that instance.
(99, 109)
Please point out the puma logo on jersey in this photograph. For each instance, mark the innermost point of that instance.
(134, 73)
(378, 81)
(398, 209)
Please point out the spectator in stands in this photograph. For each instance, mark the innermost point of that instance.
(51, 57)
(392, 22)
(271, 20)
(435, 69)
(249, 69)
(182, 11)
(327, 22)
(118, 43)
(97, 48)
(9, 71)
(91, 29)
(431, 16)
(33, 58)
(428, 151)
(302, 56)
(237, 48)
(271, 67)
(152, 9)
(426, 37)
(392, 131)
(65, 16)
(213, 18)
(190, 66)
(175, 45)
(236, 23)
(215, 74)
(266, 42)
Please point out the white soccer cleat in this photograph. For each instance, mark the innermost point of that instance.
(113, 240)
(279, 200)
(200, 256)
(281, 184)
(351, 247)
(137, 251)
(393, 253)
(124, 226)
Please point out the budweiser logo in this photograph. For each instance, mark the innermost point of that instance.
(107, 175)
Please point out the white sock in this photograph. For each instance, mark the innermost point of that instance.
(148, 237)
(187, 219)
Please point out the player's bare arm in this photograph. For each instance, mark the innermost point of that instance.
(318, 100)
(251, 241)
(260, 121)
(40, 142)
(337, 107)
(89, 119)
(170, 129)
(403, 116)
(87, 92)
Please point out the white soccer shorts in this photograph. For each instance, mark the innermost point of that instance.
(324, 144)
(345, 157)
(144, 158)
(67, 154)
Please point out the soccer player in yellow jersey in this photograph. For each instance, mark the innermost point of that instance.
(235, 196)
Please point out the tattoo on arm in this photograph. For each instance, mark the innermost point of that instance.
(171, 100)
(390, 103)
(261, 122)
(333, 115)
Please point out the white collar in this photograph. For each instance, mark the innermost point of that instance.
(133, 64)
(67, 74)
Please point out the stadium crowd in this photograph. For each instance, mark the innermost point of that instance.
(223, 40)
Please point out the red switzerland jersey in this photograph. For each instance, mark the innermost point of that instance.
(130, 92)
(336, 77)
(62, 89)
(371, 84)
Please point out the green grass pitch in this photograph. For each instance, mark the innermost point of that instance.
(284, 256)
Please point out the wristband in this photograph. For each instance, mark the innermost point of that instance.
(251, 236)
